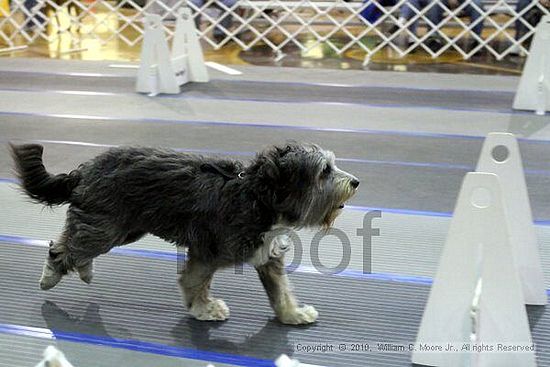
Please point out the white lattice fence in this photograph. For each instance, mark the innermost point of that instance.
(402, 26)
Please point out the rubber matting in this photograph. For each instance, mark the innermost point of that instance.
(351, 311)
(407, 245)
(425, 172)
(276, 92)
(409, 146)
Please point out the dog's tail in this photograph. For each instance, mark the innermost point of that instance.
(36, 181)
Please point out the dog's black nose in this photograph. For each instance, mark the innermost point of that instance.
(354, 183)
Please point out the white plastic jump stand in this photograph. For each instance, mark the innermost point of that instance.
(186, 48)
(476, 295)
(542, 92)
(500, 155)
(162, 71)
(534, 88)
(54, 357)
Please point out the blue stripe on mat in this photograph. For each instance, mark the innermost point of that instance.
(250, 81)
(423, 213)
(267, 126)
(448, 166)
(173, 256)
(162, 255)
(134, 345)
(244, 124)
(293, 101)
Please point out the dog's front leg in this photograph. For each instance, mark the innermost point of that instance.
(275, 281)
(195, 283)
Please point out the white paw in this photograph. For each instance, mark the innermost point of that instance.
(299, 316)
(49, 278)
(214, 310)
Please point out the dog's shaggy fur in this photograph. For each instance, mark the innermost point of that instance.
(222, 211)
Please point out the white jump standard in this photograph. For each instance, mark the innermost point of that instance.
(533, 93)
(489, 269)
(162, 71)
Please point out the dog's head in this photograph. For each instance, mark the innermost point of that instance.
(301, 183)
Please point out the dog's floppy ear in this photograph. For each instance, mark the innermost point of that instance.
(265, 169)
(268, 170)
(278, 175)
(270, 166)
(266, 173)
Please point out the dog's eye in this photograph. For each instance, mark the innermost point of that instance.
(327, 170)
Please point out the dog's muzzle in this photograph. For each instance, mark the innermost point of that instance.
(350, 188)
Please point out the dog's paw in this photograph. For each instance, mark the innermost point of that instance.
(299, 316)
(86, 273)
(214, 310)
(50, 277)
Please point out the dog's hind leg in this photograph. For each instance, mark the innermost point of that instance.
(55, 265)
(93, 235)
(195, 283)
(274, 279)
(85, 237)
(61, 259)
(97, 240)
(93, 243)
(86, 271)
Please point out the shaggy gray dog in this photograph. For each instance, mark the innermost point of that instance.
(221, 211)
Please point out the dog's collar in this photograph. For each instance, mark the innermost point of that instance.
(214, 168)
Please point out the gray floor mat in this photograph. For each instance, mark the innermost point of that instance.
(421, 170)
(277, 92)
(134, 297)
(150, 310)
